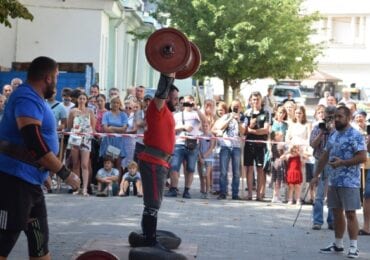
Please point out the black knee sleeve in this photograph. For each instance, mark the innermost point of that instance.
(38, 237)
(8, 238)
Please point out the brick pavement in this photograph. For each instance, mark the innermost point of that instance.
(222, 229)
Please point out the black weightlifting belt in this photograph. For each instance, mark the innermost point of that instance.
(19, 153)
(157, 153)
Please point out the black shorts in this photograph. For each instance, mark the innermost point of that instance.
(19, 202)
(254, 152)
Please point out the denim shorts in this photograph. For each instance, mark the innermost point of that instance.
(181, 154)
(344, 198)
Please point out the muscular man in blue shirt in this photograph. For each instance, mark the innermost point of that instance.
(28, 148)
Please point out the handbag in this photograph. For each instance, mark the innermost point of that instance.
(190, 144)
(75, 140)
(113, 151)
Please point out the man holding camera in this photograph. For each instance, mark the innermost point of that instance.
(188, 123)
(345, 151)
(318, 139)
(257, 129)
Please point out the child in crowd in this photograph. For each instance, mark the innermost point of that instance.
(107, 178)
(205, 159)
(278, 165)
(132, 176)
(294, 173)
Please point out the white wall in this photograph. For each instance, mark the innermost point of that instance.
(8, 40)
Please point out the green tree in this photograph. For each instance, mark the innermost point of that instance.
(13, 9)
(241, 40)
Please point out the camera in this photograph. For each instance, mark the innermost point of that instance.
(187, 104)
(323, 126)
(235, 110)
(368, 128)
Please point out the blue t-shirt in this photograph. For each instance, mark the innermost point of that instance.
(110, 119)
(25, 102)
(345, 145)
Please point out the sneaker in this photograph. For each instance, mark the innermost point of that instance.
(332, 248)
(290, 202)
(221, 197)
(203, 195)
(171, 193)
(353, 252)
(276, 200)
(316, 227)
(186, 195)
(236, 197)
(331, 226)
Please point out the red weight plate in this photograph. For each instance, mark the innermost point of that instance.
(97, 255)
(193, 64)
(167, 50)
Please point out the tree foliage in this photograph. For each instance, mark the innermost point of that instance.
(241, 40)
(13, 9)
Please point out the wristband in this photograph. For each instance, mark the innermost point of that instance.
(63, 173)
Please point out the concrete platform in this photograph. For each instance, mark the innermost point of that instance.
(121, 248)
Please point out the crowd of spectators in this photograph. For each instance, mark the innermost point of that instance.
(251, 140)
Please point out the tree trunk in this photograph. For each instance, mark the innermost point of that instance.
(226, 91)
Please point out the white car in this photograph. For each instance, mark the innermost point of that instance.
(280, 92)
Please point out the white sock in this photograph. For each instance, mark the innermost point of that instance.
(353, 243)
(339, 242)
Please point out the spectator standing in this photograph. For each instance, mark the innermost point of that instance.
(344, 152)
(231, 127)
(289, 98)
(140, 93)
(94, 90)
(15, 83)
(114, 122)
(67, 100)
(221, 109)
(113, 92)
(7, 90)
(268, 101)
(257, 129)
(331, 101)
(323, 101)
(290, 108)
(360, 121)
(81, 120)
(294, 174)
(278, 164)
(129, 141)
(59, 112)
(318, 139)
(188, 123)
(346, 97)
(2, 106)
(365, 230)
(205, 160)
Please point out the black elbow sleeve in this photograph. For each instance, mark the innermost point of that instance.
(34, 141)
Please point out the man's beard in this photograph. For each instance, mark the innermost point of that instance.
(339, 126)
(50, 90)
(170, 106)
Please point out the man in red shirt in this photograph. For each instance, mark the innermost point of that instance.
(159, 140)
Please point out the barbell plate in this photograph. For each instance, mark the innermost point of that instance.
(97, 255)
(193, 64)
(167, 50)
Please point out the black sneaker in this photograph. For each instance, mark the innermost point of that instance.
(186, 195)
(332, 248)
(331, 226)
(221, 197)
(171, 193)
(236, 198)
(353, 252)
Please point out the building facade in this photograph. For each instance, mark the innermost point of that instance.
(345, 33)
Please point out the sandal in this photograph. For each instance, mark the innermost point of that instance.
(85, 194)
(362, 232)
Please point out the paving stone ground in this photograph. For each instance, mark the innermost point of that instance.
(224, 229)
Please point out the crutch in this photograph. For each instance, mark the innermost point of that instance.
(300, 208)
